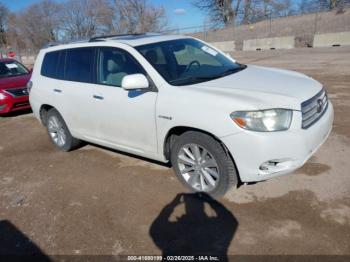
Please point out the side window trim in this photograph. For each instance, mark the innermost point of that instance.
(94, 65)
(61, 73)
(97, 65)
(61, 62)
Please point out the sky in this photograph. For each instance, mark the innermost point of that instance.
(180, 13)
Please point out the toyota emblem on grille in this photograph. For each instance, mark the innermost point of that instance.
(319, 105)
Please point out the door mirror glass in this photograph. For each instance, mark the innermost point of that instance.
(135, 81)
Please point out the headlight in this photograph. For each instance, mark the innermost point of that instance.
(29, 86)
(264, 120)
(2, 96)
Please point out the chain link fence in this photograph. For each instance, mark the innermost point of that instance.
(301, 27)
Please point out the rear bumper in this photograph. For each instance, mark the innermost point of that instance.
(11, 104)
(260, 156)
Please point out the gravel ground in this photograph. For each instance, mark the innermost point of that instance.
(97, 201)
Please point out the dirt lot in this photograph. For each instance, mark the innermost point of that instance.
(96, 201)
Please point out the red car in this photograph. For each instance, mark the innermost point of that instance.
(13, 91)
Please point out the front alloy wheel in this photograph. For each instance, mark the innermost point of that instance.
(198, 167)
(202, 164)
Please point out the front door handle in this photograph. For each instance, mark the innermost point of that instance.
(57, 90)
(98, 97)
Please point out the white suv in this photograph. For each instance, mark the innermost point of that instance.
(178, 99)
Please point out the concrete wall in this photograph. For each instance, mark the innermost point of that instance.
(286, 42)
(225, 46)
(331, 39)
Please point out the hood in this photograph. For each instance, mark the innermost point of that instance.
(15, 81)
(265, 87)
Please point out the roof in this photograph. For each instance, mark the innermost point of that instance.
(129, 39)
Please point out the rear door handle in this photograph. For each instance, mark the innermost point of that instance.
(98, 97)
(57, 90)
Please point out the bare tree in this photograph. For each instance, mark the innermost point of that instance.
(4, 13)
(246, 12)
(339, 5)
(82, 19)
(48, 21)
(311, 6)
(137, 16)
(256, 10)
(281, 8)
(37, 25)
(228, 12)
(220, 11)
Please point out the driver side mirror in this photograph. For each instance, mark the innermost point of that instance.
(135, 81)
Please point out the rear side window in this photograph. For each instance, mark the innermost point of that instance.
(49, 66)
(79, 65)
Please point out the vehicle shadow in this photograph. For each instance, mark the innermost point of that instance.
(204, 228)
(16, 113)
(15, 246)
(168, 164)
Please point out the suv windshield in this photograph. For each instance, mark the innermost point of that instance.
(12, 68)
(188, 61)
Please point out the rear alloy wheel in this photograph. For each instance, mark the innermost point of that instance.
(56, 131)
(59, 132)
(202, 164)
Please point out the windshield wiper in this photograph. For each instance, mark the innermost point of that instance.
(233, 70)
(197, 79)
(192, 79)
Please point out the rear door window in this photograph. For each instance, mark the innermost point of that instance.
(79, 64)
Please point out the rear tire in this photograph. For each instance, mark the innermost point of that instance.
(59, 133)
(202, 164)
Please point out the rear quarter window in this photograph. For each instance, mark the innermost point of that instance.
(49, 65)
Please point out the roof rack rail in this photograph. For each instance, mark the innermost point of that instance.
(96, 38)
(50, 44)
(102, 37)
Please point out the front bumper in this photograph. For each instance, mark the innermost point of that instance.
(11, 104)
(263, 155)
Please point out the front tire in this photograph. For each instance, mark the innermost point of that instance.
(202, 164)
(59, 133)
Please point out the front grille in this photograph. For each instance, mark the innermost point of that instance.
(17, 91)
(21, 104)
(313, 109)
